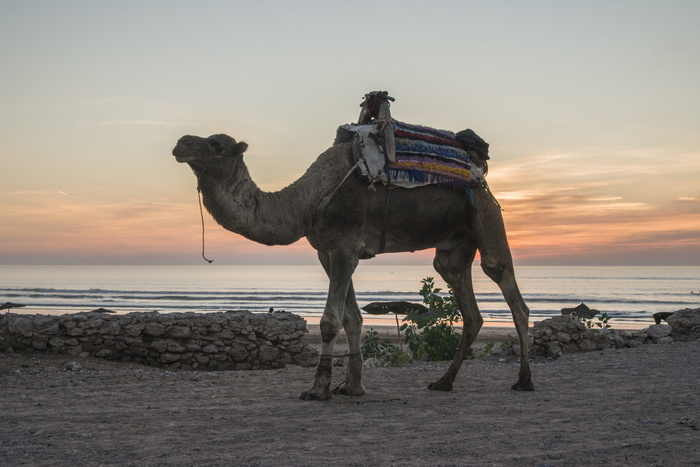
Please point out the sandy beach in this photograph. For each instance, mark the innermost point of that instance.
(612, 407)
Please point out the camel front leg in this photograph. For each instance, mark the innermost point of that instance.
(455, 268)
(352, 323)
(341, 265)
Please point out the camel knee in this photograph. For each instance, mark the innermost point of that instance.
(329, 329)
(493, 270)
(352, 320)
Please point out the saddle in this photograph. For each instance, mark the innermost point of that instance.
(404, 155)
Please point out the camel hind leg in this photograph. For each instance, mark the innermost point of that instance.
(496, 261)
(521, 314)
(455, 268)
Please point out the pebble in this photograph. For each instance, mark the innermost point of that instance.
(73, 366)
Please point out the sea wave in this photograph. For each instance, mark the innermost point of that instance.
(627, 294)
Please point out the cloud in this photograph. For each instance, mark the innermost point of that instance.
(558, 208)
(571, 207)
(139, 123)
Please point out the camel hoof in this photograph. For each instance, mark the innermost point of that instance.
(523, 386)
(440, 386)
(312, 395)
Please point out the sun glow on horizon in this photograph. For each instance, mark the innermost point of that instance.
(590, 167)
(557, 218)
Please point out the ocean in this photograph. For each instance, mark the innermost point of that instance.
(628, 294)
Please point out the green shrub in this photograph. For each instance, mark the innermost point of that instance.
(383, 350)
(434, 336)
(431, 336)
(601, 324)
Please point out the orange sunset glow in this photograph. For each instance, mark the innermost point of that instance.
(592, 120)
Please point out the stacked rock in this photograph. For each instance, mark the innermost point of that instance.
(208, 341)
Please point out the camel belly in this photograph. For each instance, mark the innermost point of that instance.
(399, 220)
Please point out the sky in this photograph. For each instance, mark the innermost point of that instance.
(592, 111)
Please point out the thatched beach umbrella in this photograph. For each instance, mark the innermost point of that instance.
(581, 311)
(398, 308)
(9, 305)
(101, 310)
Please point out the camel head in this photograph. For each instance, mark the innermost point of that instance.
(198, 151)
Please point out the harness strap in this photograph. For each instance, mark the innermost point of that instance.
(385, 223)
(328, 198)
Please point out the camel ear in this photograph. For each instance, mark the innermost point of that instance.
(224, 146)
(239, 148)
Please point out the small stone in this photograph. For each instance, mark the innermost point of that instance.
(179, 332)
(73, 366)
(103, 353)
(154, 329)
(587, 345)
(267, 353)
(21, 326)
(238, 352)
(554, 347)
(39, 344)
(169, 357)
(56, 342)
(110, 328)
(370, 363)
(134, 330)
(685, 324)
(159, 346)
(167, 320)
(657, 331)
(563, 337)
(175, 347)
(95, 323)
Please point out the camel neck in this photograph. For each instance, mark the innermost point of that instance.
(238, 205)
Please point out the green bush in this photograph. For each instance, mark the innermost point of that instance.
(430, 336)
(383, 350)
(601, 324)
(433, 335)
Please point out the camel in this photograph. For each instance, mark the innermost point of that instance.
(345, 222)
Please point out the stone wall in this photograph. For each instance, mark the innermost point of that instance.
(685, 324)
(564, 334)
(211, 341)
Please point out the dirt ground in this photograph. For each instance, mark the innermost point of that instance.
(613, 407)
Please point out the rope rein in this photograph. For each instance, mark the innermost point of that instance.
(199, 198)
(201, 215)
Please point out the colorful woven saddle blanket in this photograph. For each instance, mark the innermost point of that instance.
(424, 156)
